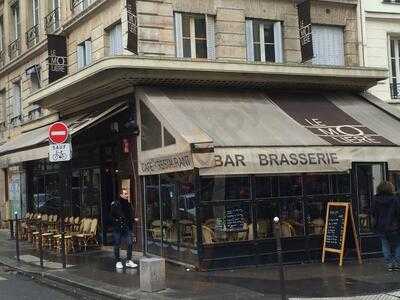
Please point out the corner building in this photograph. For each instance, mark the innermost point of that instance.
(234, 128)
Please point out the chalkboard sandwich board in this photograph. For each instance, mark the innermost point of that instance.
(336, 228)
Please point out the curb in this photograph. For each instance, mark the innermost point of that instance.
(52, 280)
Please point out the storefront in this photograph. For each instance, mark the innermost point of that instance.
(102, 164)
(219, 165)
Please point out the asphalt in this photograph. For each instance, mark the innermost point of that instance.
(94, 272)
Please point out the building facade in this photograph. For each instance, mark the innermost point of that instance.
(380, 45)
(235, 125)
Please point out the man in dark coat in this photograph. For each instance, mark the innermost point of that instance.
(122, 223)
(386, 213)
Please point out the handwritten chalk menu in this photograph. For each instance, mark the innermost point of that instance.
(336, 229)
(234, 218)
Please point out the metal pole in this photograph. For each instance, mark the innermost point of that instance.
(40, 242)
(63, 256)
(11, 228)
(279, 251)
(16, 235)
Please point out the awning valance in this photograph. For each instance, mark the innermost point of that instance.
(30, 145)
(269, 132)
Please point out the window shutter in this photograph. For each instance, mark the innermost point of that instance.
(81, 56)
(178, 35)
(210, 23)
(88, 52)
(278, 42)
(249, 40)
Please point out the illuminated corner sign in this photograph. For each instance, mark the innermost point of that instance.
(132, 41)
(57, 57)
(305, 30)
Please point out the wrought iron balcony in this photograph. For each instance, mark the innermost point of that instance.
(395, 90)
(52, 21)
(392, 1)
(32, 36)
(14, 48)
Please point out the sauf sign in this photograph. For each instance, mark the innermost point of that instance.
(59, 149)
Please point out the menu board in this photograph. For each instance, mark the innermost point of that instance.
(338, 215)
(335, 227)
(234, 218)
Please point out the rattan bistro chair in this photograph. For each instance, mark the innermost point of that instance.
(88, 236)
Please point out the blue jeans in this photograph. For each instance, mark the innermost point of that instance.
(119, 237)
(391, 248)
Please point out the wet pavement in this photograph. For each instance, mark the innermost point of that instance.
(96, 268)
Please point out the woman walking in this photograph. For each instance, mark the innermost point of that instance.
(386, 213)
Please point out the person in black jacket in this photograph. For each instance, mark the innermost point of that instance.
(386, 213)
(122, 223)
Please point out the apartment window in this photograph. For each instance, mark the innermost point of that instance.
(328, 45)
(33, 73)
(15, 19)
(264, 41)
(84, 53)
(16, 102)
(80, 5)
(115, 40)
(395, 68)
(32, 34)
(1, 34)
(52, 19)
(195, 36)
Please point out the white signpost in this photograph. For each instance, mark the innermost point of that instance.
(59, 150)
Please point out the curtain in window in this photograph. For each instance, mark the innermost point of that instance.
(81, 56)
(16, 105)
(210, 37)
(328, 45)
(178, 35)
(116, 47)
(88, 52)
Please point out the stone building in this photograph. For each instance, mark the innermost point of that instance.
(379, 35)
(218, 89)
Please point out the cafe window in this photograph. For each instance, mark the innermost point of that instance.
(151, 129)
(264, 41)
(225, 188)
(194, 35)
(230, 222)
(316, 184)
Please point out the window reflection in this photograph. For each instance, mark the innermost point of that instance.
(225, 188)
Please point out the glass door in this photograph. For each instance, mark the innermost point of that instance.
(368, 177)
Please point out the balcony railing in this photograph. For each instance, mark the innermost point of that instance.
(52, 21)
(14, 48)
(395, 90)
(32, 36)
(392, 1)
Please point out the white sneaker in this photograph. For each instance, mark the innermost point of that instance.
(119, 265)
(131, 264)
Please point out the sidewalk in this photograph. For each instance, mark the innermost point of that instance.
(94, 271)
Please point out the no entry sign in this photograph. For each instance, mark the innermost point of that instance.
(58, 133)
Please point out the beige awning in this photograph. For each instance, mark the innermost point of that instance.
(31, 145)
(253, 132)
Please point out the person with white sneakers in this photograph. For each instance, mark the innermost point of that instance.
(122, 223)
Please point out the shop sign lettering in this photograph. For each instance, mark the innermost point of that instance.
(282, 159)
(132, 42)
(179, 162)
(57, 56)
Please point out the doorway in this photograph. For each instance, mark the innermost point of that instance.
(367, 178)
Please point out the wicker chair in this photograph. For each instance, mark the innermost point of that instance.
(88, 236)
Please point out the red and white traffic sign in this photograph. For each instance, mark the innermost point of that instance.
(58, 133)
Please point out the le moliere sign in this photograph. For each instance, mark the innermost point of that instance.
(132, 43)
(305, 30)
(57, 51)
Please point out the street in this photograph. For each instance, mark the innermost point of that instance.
(15, 286)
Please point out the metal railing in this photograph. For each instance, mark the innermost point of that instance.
(391, 1)
(395, 90)
(32, 36)
(14, 48)
(52, 20)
